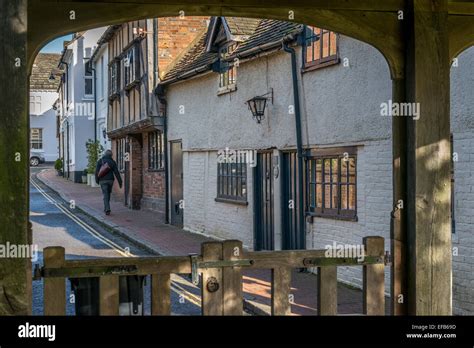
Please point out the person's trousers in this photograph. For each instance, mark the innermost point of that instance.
(106, 186)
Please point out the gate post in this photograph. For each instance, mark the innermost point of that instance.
(374, 278)
(429, 254)
(211, 282)
(15, 294)
(232, 279)
(54, 288)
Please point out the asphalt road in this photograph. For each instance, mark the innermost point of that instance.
(56, 223)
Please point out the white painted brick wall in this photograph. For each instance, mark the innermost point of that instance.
(374, 204)
(202, 213)
(463, 238)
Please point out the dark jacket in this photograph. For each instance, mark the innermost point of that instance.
(111, 173)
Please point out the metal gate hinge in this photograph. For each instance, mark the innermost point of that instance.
(194, 269)
(196, 264)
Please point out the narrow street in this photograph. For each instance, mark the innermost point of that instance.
(58, 223)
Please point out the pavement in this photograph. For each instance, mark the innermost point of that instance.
(144, 228)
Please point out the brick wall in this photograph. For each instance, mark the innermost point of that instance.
(174, 36)
(135, 168)
(154, 189)
(117, 192)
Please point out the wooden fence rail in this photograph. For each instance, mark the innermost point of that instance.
(220, 268)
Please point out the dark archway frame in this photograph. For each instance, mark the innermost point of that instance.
(418, 38)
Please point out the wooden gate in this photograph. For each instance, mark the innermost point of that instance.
(218, 270)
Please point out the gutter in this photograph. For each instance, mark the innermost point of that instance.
(301, 240)
(189, 74)
(245, 54)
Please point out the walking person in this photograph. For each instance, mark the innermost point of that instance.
(104, 176)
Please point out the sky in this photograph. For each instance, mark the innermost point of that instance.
(56, 46)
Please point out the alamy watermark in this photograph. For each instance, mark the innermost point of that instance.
(237, 156)
(336, 250)
(20, 251)
(394, 109)
(85, 109)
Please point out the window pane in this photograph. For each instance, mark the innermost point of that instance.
(334, 202)
(325, 43)
(88, 86)
(319, 176)
(344, 170)
(352, 197)
(333, 44)
(319, 195)
(327, 196)
(343, 196)
(327, 170)
(335, 169)
(317, 48)
(352, 171)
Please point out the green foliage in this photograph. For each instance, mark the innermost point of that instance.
(58, 164)
(94, 151)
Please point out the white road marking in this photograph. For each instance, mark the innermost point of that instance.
(82, 224)
(194, 299)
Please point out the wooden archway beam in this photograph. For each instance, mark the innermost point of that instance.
(372, 21)
(461, 33)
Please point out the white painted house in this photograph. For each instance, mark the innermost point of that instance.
(100, 59)
(346, 142)
(77, 106)
(43, 138)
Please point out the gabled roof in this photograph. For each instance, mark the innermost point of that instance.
(234, 28)
(265, 35)
(43, 66)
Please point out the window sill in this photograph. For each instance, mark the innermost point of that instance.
(311, 67)
(310, 216)
(227, 89)
(151, 170)
(231, 201)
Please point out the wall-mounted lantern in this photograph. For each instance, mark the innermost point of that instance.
(258, 104)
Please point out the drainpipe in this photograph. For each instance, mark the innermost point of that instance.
(299, 146)
(66, 82)
(95, 101)
(165, 152)
(155, 51)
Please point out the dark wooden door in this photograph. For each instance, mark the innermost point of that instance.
(126, 164)
(176, 175)
(292, 237)
(264, 203)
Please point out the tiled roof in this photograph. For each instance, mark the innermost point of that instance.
(263, 31)
(44, 64)
(269, 31)
(242, 26)
(195, 58)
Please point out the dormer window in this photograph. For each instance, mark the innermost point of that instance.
(228, 77)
